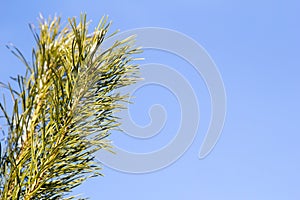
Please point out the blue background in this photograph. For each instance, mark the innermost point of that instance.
(255, 45)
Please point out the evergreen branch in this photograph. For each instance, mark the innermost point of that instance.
(63, 109)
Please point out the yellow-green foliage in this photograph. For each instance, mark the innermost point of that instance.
(63, 109)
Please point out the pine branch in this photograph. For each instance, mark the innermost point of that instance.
(63, 110)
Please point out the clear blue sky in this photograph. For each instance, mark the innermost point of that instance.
(255, 45)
